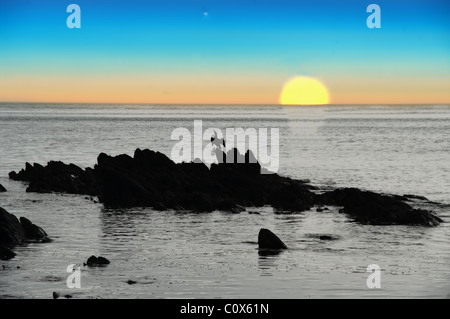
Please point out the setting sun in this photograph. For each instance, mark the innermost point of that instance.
(303, 90)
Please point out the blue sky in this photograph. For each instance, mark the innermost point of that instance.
(275, 39)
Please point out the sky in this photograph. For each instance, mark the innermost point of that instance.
(223, 51)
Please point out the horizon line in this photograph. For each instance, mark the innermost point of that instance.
(225, 104)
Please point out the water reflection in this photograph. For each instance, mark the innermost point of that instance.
(267, 259)
(269, 252)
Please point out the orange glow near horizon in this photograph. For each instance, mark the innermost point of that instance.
(211, 89)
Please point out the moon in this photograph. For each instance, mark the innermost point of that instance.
(303, 90)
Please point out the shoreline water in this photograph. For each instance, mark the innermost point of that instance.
(190, 255)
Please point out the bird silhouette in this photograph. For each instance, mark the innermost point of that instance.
(218, 142)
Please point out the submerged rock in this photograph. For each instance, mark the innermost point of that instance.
(323, 236)
(268, 240)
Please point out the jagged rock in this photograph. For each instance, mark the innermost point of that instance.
(32, 231)
(11, 230)
(151, 179)
(14, 232)
(268, 240)
(56, 177)
(2, 189)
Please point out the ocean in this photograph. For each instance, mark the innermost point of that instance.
(390, 149)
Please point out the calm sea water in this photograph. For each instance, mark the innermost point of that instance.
(400, 150)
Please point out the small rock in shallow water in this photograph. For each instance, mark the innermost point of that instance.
(55, 295)
(131, 282)
(94, 261)
(323, 236)
(326, 237)
(2, 189)
(268, 240)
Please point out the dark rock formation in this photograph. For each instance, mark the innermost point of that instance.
(11, 230)
(377, 209)
(32, 231)
(6, 253)
(151, 179)
(268, 240)
(2, 189)
(14, 232)
(56, 177)
(94, 261)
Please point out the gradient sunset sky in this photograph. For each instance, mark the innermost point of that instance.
(214, 51)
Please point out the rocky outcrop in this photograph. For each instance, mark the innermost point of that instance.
(6, 253)
(11, 230)
(268, 240)
(56, 177)
(151, 179)
(14, 232)
(32, 231)
(377, 209)
(2, 189)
